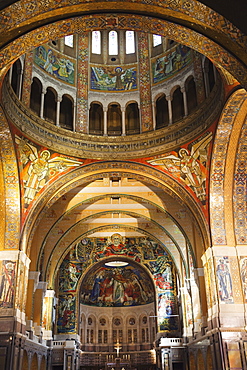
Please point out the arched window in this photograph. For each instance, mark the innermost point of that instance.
(69, 41)
(190, 88)
(96, 119)
(113, 43)
(114, 120)
(50, 106)
(16, 77)
(157, 40)
(66, 113)
(35, 96)
(162, 116)
(96, 42)
(177, 105)
(132, 119)
(130, 42)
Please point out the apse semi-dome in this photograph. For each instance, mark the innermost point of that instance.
(112, 92)
(116, 286)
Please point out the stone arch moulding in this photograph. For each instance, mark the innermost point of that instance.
(222, 169)
(232, 57)
(58, 254)
(91, 172)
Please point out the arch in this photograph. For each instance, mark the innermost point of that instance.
(96, 119)
(34, 363)
(223, 167)
(25, 362)
(209, 359)
(43, 363)
(80, 176)
(50, 105)
(132, 119)
(66, 116)
(162, 115)
(191, 95)
(35, 96)
(114, 120)
(192, 362)
(203, 16)
(177, 105)
(16, 77)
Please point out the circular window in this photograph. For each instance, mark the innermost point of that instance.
(89, 321)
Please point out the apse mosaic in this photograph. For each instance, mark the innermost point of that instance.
(189, 164)
(167, 65)
(116, 285)
(38, 166)
(108, 78)
(54, 63)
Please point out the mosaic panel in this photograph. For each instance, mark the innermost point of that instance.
(236, 286)
(212, 283)
(10, 172)
(7, 283)
(141, 173)
(243, 274)
(218, 163)
(224, 279)
(55, 63)
(38, 166)
(170, 63)
(82, 83)
(116, 79)
(240, 188)
(27, 79)
(173, 31)
(145, 82)
(117, 286)
(23, 11)
(189, 164)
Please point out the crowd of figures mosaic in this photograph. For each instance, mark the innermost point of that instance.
(148, 275)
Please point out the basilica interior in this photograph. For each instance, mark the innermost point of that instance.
(123, 154)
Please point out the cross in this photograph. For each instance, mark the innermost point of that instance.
(117, 348)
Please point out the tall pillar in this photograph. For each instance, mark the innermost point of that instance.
(185, 101)
(19, 87)
(14, 265)
(154, 115)
(82, 84)
(198, 77)
(105, 120)
(226, 304)
(42, 102)
(169, 100)
(27, 78)
(145, 83)
(37, 307)
(48, 314)
(123, 121)
(59, 99)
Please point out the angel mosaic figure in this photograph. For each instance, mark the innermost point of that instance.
(190, 165)
(37, 167)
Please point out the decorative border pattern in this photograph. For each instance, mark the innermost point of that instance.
(11, 219)
(218, 167)
(181, 34)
